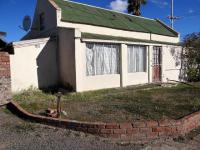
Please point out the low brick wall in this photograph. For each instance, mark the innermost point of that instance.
(5, 81)
(137, 131)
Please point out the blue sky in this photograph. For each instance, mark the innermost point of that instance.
(13, 11)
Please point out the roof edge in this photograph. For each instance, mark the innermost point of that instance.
(166, 26)
(52, 2)
(85, 35)
(108, 9)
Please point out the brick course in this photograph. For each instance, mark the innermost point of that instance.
(5, 81)
(137, 131)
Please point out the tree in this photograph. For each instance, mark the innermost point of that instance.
(191, 56)
(134, 6)
(2, 34)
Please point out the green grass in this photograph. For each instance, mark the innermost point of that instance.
(121, 104)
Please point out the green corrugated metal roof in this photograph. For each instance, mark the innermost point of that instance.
(84, 14)
(116, 38)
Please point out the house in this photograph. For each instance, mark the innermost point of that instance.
(90, 48)
(2, 44)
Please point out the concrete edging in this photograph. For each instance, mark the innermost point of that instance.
(137, 130)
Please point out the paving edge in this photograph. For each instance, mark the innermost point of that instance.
(137, 130)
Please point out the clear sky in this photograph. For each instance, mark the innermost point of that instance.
(13, 11)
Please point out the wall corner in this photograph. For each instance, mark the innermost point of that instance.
(123, 65)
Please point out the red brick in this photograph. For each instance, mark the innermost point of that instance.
(174, 130)
(158, 129)
(139, 124)
(163, 130)
(119, 131)
(139, 136)
(126, 126)
(101, 126)
(81, 129)
(145, 130)
(132, 131)
(87, 125)
(5, 59)
(112, 126)
(152, 135)
(126, 136)
(104, 135)
(106, 131)
(178, 123)
(152, 123)
(93, 130)
(165, 123)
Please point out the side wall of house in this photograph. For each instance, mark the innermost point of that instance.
(5, 85)
(67, 74)
(34, 63)
(171, 63)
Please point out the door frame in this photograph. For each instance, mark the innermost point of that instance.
(157, 61)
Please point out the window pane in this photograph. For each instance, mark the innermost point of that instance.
(102, 59)
(90, 60)
(136, 59)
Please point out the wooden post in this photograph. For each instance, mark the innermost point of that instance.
(58, 104)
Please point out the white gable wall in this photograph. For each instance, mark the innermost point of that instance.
(50, 14)
(34, 63)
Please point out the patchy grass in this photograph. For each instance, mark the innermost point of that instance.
(193, 135)
(121, 104)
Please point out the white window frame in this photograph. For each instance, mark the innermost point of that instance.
(136, 62)
(93, 69)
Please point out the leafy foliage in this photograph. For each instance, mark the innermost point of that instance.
(134, 6)
(191, 56)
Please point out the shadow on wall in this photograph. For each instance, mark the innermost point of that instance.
(48, 67)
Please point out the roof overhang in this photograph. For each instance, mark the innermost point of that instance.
(88, 37)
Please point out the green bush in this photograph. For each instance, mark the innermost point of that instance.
(191, 57)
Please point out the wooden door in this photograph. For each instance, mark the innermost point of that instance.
(157, 64)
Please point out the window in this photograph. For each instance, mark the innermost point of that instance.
(42, 21)
(102, 59)
(136, 58)
(157, 55)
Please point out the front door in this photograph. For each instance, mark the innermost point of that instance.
(157, 61)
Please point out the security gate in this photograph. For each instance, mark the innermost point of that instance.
(157, 64)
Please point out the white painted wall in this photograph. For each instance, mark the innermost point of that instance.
(170, 68)
(34, 64)
(171, 62)
(115, 32)
(87, 83)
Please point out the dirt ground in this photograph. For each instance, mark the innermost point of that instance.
(17, 134)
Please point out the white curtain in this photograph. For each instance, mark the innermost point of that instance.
(136, 58)
(102, 59)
